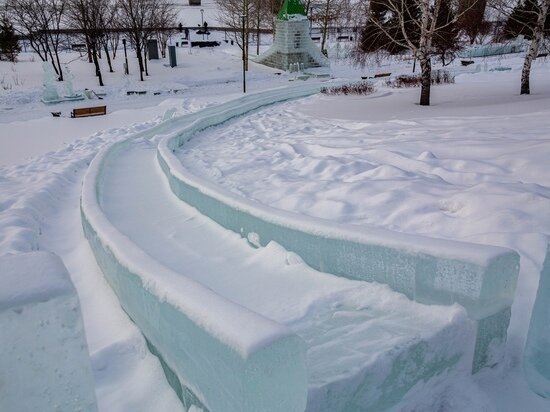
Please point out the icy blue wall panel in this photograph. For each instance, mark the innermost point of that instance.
(481, 278)
(271, 377)
(229, 358)
(44, 361)
(537, 349)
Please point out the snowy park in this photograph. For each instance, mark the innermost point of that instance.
(292, 229)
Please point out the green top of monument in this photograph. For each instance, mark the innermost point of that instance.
(291, 7)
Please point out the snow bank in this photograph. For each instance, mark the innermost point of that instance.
(433, 271)
(537, 349)
(228, 357)
(43, 350)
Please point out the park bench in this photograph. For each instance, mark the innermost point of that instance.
(89, 111)
(376, 76)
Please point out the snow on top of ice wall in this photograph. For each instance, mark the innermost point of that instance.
(32, 277)
(221, 318)
(480, 277)
(449, 249)
(229, 357)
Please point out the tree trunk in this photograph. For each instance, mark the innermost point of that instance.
(36, 48)
(59, 65)
(325, 26)
(533, 48)
(89, 47)
(247, 40)
(258, 34)
(108, 58)
(426, 67)
(96, 64)
(145, 59)
(140, 60)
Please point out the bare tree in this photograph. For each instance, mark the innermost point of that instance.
(536, 38)
(40, 22)
(164, 21)
(258, 15)
(89, 17)
(530, 18)
(415, 25)
(141, 19)
(328, 13)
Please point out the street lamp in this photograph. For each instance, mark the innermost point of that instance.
(243, 18)
(202, 22)
(126, 69)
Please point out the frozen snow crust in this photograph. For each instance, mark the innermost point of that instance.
(43, 351)
(433, 271)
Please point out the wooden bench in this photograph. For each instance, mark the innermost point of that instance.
(89, 111)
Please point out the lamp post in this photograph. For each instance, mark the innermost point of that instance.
(243, 18)
(126, 70)
(202, 22)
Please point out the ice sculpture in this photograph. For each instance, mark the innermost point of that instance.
(69, 90)
(49, 90)
(292, 44)
(537, 349)
(43, 350)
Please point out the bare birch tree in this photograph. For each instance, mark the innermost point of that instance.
(414, 25)
(536, 38)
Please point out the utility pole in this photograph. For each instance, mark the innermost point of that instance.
(126, 69)
(243, 18)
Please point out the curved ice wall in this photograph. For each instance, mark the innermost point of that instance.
(214, 351)
(433, 271)
(537, 349)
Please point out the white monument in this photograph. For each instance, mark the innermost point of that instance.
(293, 46)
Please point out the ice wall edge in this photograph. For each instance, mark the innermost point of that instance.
(196, 332)
(45, 364)
(536, 357)
(433, 271)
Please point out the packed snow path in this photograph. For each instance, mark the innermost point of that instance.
(351, 328)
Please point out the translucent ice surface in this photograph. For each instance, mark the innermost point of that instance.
(537, 350)
(44, 361)
(365, 345)
(213, 350)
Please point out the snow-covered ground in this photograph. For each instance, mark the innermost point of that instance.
(472, 167)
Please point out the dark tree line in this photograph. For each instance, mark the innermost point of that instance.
(437, 29)
(9, 44)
